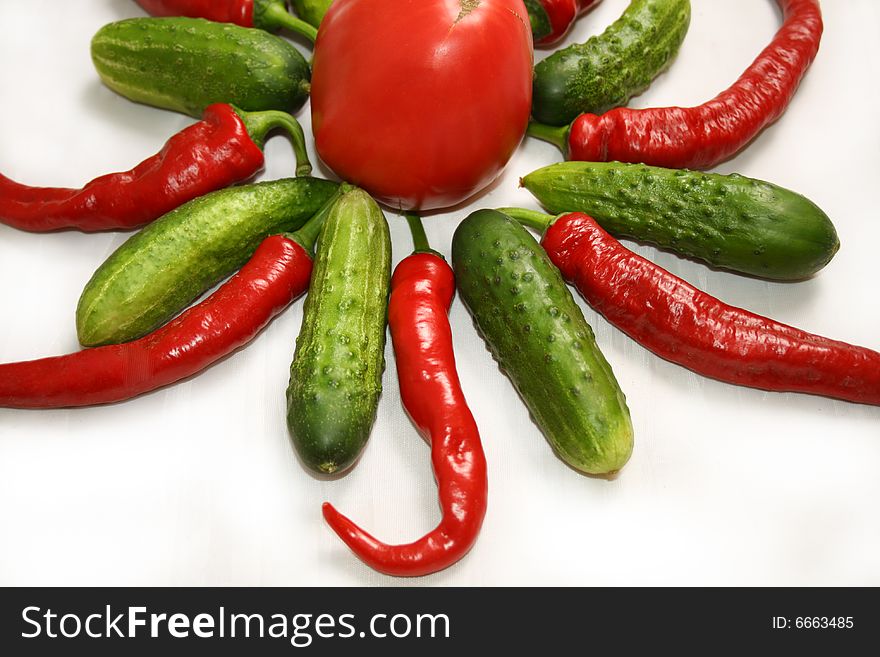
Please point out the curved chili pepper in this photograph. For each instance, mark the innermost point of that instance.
(221, 149)
(276, 274)
(267, 15)
(562, 14)
(703, 136)
(421, 292)
(682, 324)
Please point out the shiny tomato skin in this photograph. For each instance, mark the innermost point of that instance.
(419, 102)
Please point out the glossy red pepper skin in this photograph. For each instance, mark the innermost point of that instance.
(240, 12)
(703, 136)
(562, 14)
(691, 328)
(421, 292)
(208, 155)
(277, 273)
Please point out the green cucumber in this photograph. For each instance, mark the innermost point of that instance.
(311, 11)
(336, 374)
(728, 221)
(612, 67)
(186, 64)
(539, 19)
(160, 270)
(541, 340)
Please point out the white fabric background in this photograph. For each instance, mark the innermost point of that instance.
(198, 484)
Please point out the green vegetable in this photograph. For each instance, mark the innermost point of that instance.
(611, 68)
(732, 222)
(539, 19)
(336, 375)
(186, 64)
(541, 340)
(158, 271)
(311, 11)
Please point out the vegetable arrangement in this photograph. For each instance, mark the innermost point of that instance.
(422, 124)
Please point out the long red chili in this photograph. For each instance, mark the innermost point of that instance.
(422, 288)
(562, 14)
(263, 14)
(221, 149)
(691, 328)
(277, 273)
(703, 136)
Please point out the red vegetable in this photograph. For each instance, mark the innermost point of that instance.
(562, 15)
(221, 149)
(691, 328)
(277, 273)
(701, 137)
(421, 291)
(263, 14)
(421, 102)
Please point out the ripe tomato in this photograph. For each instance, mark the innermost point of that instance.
(421, 102)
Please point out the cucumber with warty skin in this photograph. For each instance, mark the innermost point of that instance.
(160, 270)
(610, 68)
(728, 221)
(539, 337)
(336, 374)
(186, 64)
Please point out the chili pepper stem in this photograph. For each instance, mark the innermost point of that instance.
(274, 15)
(309, 232)
(556, 135)
(539, 221)
(419, 238)
(260, 124)
(417, 230)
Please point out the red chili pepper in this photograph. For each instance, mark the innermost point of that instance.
(221, 149)
(703, 136)
(562, 14)
(691, 328)
(276, 274)
(267, 15)
(421, 292)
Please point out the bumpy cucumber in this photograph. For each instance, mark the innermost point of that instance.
(311, 11)
(336, 375)
(158, 271)
(541, 340)
(186, 64)
(732, 222)
(612, 67)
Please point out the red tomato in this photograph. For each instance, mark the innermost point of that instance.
(421, 102)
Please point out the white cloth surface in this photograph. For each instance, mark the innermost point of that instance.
(198, 484)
